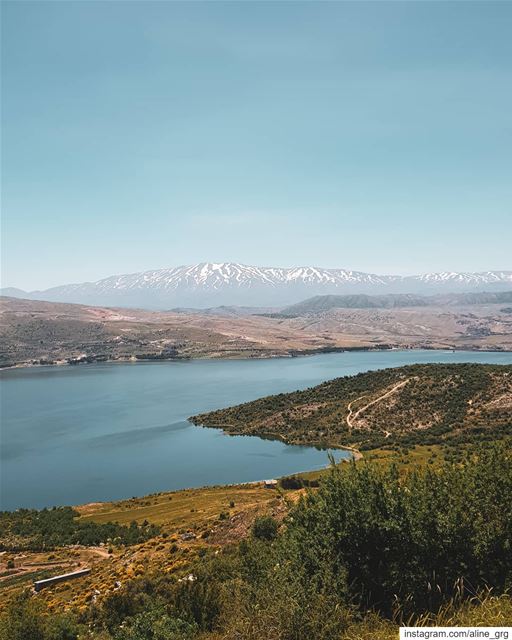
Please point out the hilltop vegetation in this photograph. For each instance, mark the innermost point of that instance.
(417, 404)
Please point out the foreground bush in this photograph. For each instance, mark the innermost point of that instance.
(265, 528)
(412, 542)
(29, 619)
(368, 550)
(156, 624)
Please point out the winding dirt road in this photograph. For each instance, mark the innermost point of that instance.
(351, 416)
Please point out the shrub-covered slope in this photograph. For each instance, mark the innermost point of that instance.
(408, 405)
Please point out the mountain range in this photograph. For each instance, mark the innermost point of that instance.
(210, 284)
(320, 304)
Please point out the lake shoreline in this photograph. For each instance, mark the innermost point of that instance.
(292, 353)
(76, 435)
(322, 446)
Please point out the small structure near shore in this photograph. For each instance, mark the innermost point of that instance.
(41, 584)
(270, 484)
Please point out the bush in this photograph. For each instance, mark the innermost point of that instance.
(156, 624)
(419, 540)
(265, 528)
(29, 619)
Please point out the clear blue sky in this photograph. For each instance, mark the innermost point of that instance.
(369, 135)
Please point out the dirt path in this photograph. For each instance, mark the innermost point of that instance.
(351, 416)
(99, 551)
(66, 565)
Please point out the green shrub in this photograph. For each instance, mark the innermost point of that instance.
(265, 528)
(156, 624)
(28, 619)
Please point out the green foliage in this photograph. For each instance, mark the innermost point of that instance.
(156, 624)
(265, 528)
(416, 541)
(29, 619)
(49, 528)
(296, 482)
(439, 403)
(246, 593)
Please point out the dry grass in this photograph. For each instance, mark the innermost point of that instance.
(484, 610)
(180, 509)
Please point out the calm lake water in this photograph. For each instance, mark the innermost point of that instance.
(102, 432)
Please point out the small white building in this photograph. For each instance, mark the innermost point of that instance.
(270, 484)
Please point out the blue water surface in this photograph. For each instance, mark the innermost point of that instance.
(95, 432)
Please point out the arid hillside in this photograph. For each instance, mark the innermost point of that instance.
(476, 326)
(35, 332)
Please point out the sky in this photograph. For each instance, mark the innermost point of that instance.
(374, 136)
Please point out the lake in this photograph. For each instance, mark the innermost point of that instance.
(71, 435)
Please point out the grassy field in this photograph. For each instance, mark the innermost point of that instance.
(184, 509)
(190, 521)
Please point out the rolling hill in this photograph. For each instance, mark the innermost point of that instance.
(417, 404)
(392, 301)
(36, 332)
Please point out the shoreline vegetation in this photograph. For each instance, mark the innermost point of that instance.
(396, 407)
(226, 429)
(84, 360)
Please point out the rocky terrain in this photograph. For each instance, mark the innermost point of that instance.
(36, 332)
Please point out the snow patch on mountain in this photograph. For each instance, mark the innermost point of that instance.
(226, 283)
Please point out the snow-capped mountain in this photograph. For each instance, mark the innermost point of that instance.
(212, 284)
(465, 279)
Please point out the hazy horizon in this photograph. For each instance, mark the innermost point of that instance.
(372, 136)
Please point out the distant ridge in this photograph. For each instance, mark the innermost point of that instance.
(13, 292)
(391, 301)
(210, 284)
